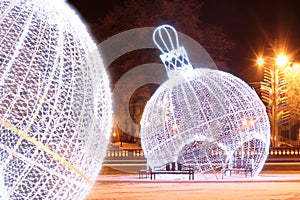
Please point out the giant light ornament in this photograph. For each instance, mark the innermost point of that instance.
(202, 117)
(55, 102)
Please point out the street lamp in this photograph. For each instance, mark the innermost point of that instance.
(282, 60)
(260, 61)
(272, 91)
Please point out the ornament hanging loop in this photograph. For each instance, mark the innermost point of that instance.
(174, 57)
(170, 32)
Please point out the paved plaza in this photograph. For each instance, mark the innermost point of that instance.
(268, 185)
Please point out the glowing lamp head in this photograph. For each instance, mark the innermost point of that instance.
(260, 61)
(281, 60)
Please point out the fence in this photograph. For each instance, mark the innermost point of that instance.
(284, 154)
(125, 154)
(275, 154)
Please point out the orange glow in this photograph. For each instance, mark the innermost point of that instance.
(281, 60)
(260, 62)
(296, 65)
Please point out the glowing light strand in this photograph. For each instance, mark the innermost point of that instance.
(174, 57)
(201, 117)
(55, 102)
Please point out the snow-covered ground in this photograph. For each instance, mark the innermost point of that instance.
(268, 186)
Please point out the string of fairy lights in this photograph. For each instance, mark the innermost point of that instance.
(202, 117)
(55, 102)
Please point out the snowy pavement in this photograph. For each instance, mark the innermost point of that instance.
(266, 186)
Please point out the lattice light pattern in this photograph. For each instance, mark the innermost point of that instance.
(204, 118)
(55, 102)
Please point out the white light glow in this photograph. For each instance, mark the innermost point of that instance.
(55, 102)
(260, 61)
(3, 193)
(282, 60)
(217, 116)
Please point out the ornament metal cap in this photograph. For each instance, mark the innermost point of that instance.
(174, 57)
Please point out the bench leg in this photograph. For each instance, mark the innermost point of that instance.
(191, 175)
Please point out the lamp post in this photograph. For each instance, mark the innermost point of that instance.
(272, 91)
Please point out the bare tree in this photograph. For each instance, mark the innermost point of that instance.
(185, 16)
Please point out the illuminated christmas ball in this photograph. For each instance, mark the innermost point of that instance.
(203, 118)
(55, 102)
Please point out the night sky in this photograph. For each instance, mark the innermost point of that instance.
(249, 24)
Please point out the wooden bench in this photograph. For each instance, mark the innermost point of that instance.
(240, 166)
(173, 168)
